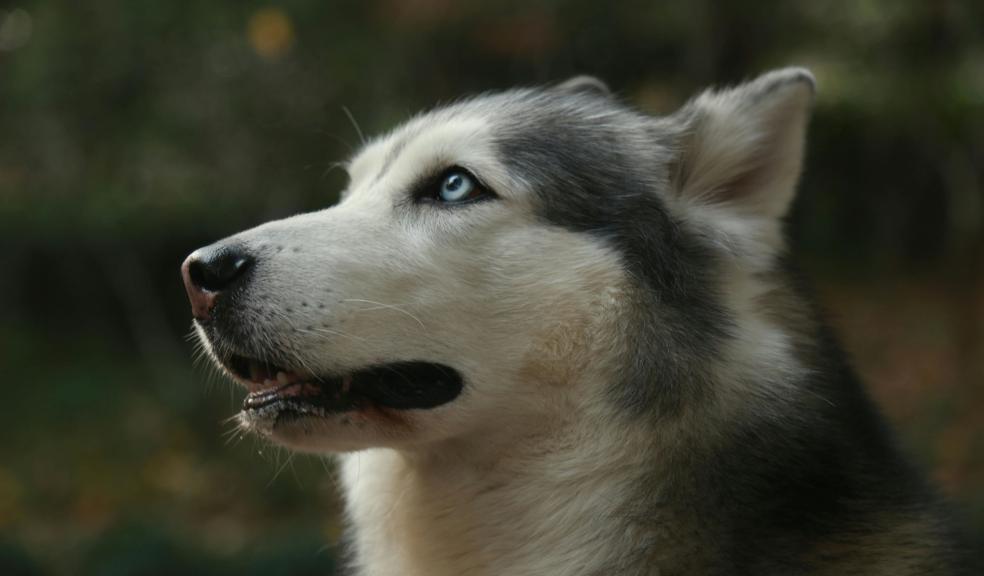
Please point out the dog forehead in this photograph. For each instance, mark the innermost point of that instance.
(506, 138)
(425, 145)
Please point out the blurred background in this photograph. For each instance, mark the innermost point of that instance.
(133, 132)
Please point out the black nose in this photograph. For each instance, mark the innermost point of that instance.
(210, 270)
(217, 269)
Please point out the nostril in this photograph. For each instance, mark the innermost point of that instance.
(218, 270)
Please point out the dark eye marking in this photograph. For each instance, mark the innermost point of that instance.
(453, 187)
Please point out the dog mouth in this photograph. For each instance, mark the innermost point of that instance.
(276, 392)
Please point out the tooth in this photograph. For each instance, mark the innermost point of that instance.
(282, 378)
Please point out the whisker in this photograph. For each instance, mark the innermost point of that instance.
(280, 468)
(355, 124)
(332, 167)
(380, 305)
(327, 332)
(306, 367)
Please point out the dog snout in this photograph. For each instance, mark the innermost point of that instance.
(207, 272)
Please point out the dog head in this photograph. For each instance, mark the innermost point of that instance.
(504, 261)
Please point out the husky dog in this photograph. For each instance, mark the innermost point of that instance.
(552, 335)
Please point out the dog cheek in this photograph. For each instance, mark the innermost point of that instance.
(560, 351)
(557, 354)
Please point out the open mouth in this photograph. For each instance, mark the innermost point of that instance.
(275, 391)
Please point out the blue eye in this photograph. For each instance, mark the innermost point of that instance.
(457, 186)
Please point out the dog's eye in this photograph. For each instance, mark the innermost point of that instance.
(454, 186)
(457, 186)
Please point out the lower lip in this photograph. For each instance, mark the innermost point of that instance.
(260, 399)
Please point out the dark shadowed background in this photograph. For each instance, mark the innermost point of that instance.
(133, 132)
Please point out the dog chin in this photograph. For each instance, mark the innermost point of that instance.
(367, 427)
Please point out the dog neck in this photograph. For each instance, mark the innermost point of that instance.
(487, 507)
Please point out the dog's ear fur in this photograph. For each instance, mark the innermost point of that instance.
(584, 84)
(741, 148)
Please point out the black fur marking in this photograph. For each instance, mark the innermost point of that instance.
(587, 179)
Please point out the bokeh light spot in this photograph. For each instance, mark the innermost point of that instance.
(270, 33)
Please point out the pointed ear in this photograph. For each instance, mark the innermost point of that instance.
(741, 148)
(584, 84)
